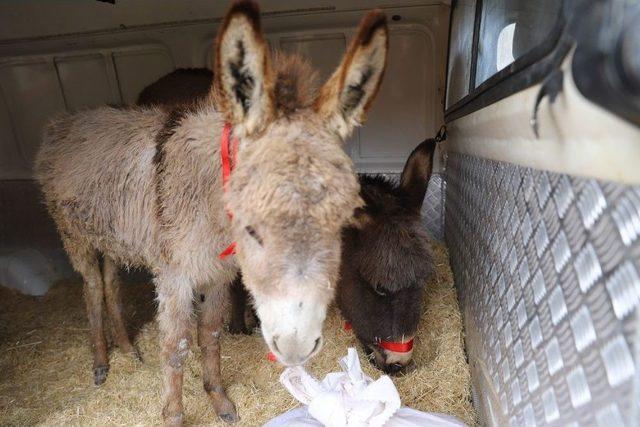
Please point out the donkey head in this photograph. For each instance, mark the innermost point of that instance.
(293, 187)
(387, 261)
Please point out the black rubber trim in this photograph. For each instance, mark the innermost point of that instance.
(446, 74)
(474, 46)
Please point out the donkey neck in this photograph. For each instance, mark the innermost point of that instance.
(190, 175)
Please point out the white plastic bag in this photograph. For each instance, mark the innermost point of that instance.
(350, 398)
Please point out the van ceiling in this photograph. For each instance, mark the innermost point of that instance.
(71, 16)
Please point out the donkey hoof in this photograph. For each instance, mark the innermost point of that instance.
(100, 375)
(230, 417)
(223, 406)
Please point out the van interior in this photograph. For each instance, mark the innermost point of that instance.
(535, 192)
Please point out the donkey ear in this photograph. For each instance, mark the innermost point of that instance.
(243, 81)
(347, 95)
(417, 171)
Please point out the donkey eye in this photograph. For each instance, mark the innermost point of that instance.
(379, 291)
(253, 233)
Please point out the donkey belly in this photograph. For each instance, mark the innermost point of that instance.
(96, 170)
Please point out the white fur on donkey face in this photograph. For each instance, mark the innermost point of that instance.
(292, 319)
(293, 187)
(288, 213)
(292, 288)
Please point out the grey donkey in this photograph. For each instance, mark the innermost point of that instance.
(142, 186)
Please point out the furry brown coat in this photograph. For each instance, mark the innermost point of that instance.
(386, 258)
(142, 186)
(386, 261)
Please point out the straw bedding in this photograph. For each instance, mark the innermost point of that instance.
(45, 363)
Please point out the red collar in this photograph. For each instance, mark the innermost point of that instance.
(398, 347)
(228, 162)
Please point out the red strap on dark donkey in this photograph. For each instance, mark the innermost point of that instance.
(398, 347)
(227, 166)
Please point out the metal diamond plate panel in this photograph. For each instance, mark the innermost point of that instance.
(433, 207)
(548, 272)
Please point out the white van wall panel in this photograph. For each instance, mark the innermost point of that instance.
(137, 68)
(36, 88)
(83, 71)
(74, 17)
(32, 93)
(403, 114)
(11, 161)
(86, 82)
(577, 137)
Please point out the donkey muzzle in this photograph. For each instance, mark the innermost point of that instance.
(291, 351)
(392, 357)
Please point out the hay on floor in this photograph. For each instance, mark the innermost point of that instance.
(45, 363)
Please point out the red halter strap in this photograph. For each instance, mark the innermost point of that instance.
(227, 166)
(398, 347)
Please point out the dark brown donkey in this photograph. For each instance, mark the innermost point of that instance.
(386, 262)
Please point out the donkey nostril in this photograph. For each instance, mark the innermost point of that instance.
(275, 345)
(316, 345)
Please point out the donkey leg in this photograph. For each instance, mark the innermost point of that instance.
(113, 301)
(239, 297)
(86, 263)
(174, 319)
(253, 320)
(209, 328)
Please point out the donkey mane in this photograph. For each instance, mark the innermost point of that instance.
(382, 194)
(381, 182)
(296, 83)
(393, 252)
